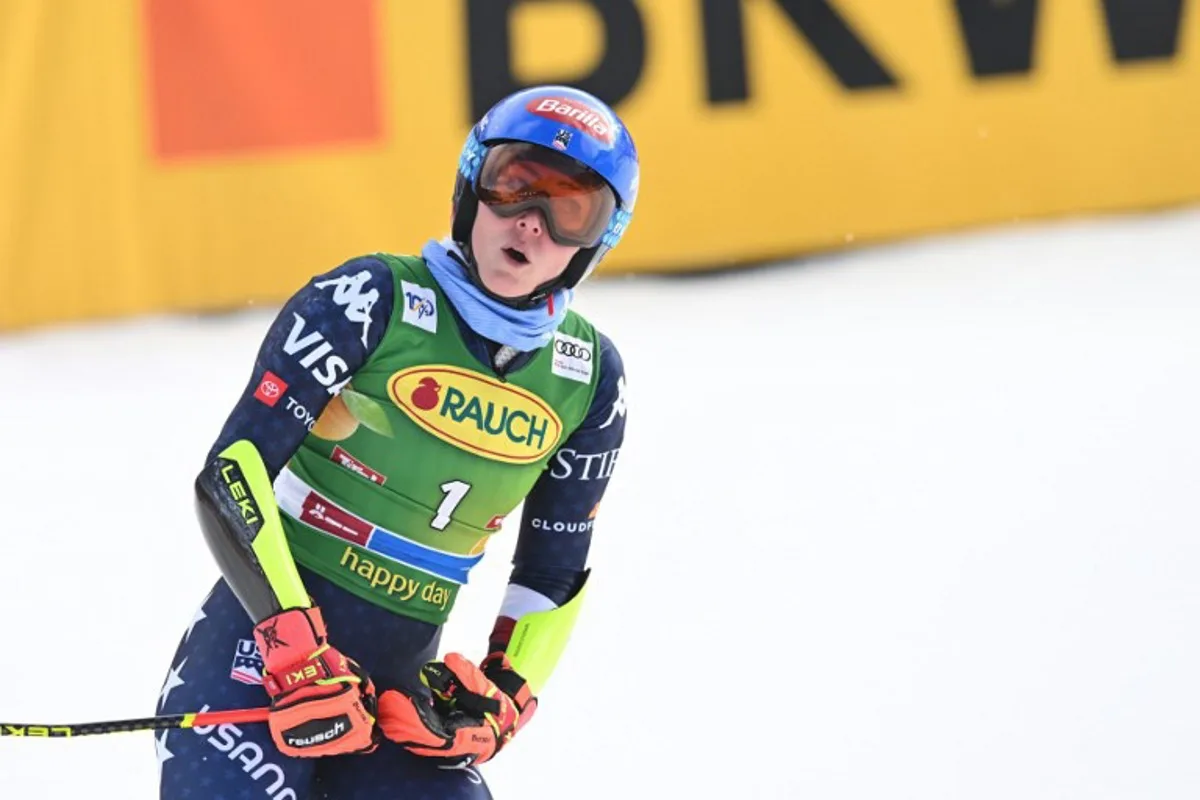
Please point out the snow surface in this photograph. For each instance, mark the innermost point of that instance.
(913, 521)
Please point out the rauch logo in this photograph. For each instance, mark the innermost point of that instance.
(476, 413)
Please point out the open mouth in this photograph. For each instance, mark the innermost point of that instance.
(516, 256)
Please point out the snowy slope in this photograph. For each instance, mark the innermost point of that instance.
(916, 521)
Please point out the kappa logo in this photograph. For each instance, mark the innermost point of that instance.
(572, 358)
(348, 292)
(618, 406)
(420, 306)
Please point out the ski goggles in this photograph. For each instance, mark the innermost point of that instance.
(576, 202)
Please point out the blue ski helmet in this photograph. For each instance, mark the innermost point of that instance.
(567, 121)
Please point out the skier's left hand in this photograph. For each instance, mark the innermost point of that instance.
(471, 714)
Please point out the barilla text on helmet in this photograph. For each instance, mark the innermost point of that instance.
(575, 114)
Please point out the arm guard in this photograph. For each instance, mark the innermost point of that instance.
(539, 638)
(342, 314)
(237, 512)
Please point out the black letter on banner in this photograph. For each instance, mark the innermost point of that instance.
(489, 52)
(1143, 29)
(855, 66)
(999, 35)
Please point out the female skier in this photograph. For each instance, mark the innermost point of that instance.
(399, 408)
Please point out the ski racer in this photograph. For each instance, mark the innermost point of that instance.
(400, 407)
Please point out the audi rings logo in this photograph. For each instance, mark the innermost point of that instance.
(572, 350)
(572, 358)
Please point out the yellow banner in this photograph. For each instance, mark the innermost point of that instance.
(201, 154)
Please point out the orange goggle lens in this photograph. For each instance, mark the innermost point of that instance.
(575, 200)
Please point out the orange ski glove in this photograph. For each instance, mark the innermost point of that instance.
(470, 714)
(322, 703)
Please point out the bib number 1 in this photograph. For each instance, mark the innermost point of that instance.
(455, 492)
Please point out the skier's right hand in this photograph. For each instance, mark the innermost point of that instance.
(322, 703)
